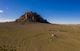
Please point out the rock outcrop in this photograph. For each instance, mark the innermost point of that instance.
(31, 17)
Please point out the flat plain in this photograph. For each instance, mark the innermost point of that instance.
(38, 37)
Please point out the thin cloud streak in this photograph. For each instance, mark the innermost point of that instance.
(7, 20)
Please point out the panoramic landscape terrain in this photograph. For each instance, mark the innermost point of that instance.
(31, 32)
(39, 25)
(38, 37)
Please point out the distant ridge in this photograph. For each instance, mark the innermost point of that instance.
(31, 17)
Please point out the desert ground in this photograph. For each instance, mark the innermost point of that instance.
(39, 37)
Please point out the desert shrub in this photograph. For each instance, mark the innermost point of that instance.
(7, 48)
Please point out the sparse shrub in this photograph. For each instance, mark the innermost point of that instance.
(6, 48)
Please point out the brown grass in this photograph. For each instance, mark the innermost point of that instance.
(37, 37)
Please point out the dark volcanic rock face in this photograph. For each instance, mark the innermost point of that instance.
(31, 17)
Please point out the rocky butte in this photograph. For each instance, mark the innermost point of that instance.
(32, 17)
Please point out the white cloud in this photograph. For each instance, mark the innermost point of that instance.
(6, 20)
(1, 11)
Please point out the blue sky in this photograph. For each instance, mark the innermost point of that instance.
(55, 11)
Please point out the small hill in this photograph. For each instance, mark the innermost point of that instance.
(31, 17)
